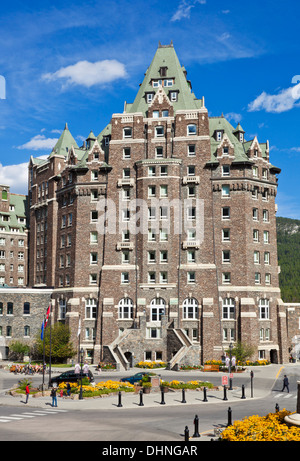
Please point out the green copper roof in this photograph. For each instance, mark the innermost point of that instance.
(165, 56)
(65, 142)
(20, 204)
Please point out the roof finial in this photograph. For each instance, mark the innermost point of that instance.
(66, 126)
(159, 44)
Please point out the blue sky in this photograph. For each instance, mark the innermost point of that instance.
(78, 64)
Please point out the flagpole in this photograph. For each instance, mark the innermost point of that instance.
(43, 354)
(78, 334)
(50, 346)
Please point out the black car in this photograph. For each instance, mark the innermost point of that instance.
(70, 377)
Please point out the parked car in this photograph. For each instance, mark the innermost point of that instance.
(133, 379)
(70, 377)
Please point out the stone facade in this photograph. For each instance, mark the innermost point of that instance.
(158, 236)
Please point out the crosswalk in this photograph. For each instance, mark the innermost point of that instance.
(30, 414)
(284, 396)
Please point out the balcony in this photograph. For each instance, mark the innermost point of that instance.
(190, 180)
(125, 246)
(190, 244)
(126, 182)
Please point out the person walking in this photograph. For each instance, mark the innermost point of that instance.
(27, 391)
(54, 397)
(68, 389)
(285, 384)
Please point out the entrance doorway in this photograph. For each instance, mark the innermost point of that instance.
(129, 358)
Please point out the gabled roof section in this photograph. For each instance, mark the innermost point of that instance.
(165, 57)
(65, 142)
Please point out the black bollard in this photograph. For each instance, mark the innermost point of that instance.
(243, 392)
(183, 396)
(119, 400)
(225, 393)
(277, 408)
(196, 424)
(162, 397)
(186, 434)
(141, 399)
(204, 395)
(229, 417)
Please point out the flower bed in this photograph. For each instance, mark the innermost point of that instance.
(269, 428)
(103, 387)
(150, 365)
(188, 385)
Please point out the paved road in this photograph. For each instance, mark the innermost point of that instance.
(102, 420)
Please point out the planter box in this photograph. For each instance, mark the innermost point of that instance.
(211, 368)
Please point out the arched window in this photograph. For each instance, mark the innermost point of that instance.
(190, 308)
(158, 308)
(228, 308)
(264, 310)
(27, 330)
(125, 308)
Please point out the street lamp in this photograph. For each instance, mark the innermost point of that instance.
(81, 364)
(230, 379)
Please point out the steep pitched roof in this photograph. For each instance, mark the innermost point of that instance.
(165, 56)
(64, 143)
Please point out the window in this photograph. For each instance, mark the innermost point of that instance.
(191, 150)
(151, 171)
(255, 214)
(225, 235)
(265, 216)
(151, 191)
(149, 97)
(191, 170)
(255, 171)
(163, 212)
(219, 137)
(151, 213)
(225, 213)
(256, 257)
(267, 257)
(191, 130)
(163, 191)
(126, 173)
(266, 237)
(158, 308)
(164, 171)
(191, 213)
(10, 308)
(159, 152)
(94, 237)
(257, 278)
(127, 132)
(151, 257)
(93, 279)
(163, 256)
(191, 277)
(153, 333)
(125, 308)
(91, 308)
(62, 308)
(165, 113)
(4, 195)
(151, 277)
(163, 235)
(173, 96)
(226, 256)
(255, 235)
(94, 175)
(125, 277)
(264, 312)
(225, 170)
(159, 131)
(190, 308)
(191, 256)
(225, 190)
(94, 195)
(155, 114)
(126, 152)
(228, 309)
(163, 277)
(125, 257)
(226, 277)
(93, 258)
(267, 279)
(27, 331)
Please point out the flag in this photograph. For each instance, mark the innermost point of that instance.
(47, 316)
(42, 330)
(79, 327)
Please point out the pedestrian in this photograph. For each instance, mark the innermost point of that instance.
(86, 369)
(54, 398)
(285, 384)
(27, 391)
(77, 368)
(68, 389)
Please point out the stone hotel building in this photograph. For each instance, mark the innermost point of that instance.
(159, 234)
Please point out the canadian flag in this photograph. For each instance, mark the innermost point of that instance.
(47, 316)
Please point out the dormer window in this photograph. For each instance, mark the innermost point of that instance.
(168, 82)
(241, 137)
(163, 71)
(173, 96)
(219, 135)
(156, 83)
(149, 97)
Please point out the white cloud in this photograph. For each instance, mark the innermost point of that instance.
(184, 9)
(39, 142)
(15, 176)
(285, 100)
(89, 73)
(233, 116)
